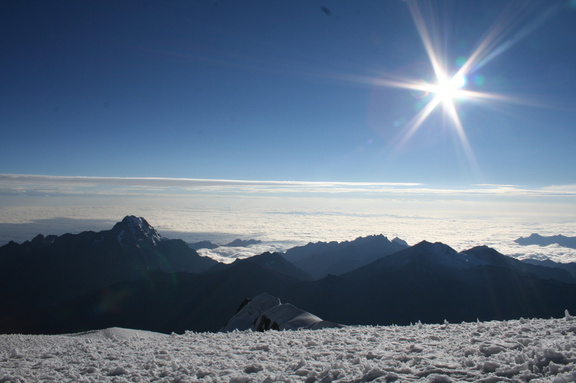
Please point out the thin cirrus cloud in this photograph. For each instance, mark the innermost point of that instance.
(26, 184)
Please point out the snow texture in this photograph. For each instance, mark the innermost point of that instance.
(536, 350)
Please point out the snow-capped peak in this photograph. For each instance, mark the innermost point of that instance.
(139, 228)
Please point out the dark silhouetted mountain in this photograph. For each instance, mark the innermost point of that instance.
(266, 312)
(431, 282)
(441, 254)
(569, 267)
(243, 243)
(321, 259)
(163, 302)
(537, 239)
(400, 242)
(54, 269)
(484, 255)
(277, 263)
(202, 245)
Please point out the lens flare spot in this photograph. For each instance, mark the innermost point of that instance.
(459, 81)
(479, 80)
(399, 122)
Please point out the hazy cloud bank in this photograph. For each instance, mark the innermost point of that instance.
(39, 185)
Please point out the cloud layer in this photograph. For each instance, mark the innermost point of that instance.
(24, 184)
(287, 213)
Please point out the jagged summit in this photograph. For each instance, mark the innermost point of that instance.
(42, 240)
(139, 229)
(400, 242)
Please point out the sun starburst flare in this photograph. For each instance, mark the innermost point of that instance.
(450, 88)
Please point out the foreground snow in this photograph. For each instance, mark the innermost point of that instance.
(518, 350)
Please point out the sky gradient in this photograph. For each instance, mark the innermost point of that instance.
(288, 106)
(283, 91)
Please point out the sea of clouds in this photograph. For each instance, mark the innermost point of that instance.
(280, 229)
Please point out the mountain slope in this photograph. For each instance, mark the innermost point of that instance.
(568, 267)
(55, 269)
(277, 263)
(431, 282)
(551, 271)
(438, 254)
(321, 259)
(162, 302)
(131, 277)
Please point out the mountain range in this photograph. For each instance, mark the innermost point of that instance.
(325, 258)
(130, 276)
(537, 239)
(235, 243)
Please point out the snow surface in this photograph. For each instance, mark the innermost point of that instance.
(537, 350)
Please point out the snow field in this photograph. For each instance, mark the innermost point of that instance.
(534, 350)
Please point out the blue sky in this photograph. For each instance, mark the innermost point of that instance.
(284, 90)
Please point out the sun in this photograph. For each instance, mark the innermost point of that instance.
(449, 89)
(443, 93)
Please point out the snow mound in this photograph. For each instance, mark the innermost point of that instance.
(249, 312)
(266, 312)
(118, 333)
(289, 317)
